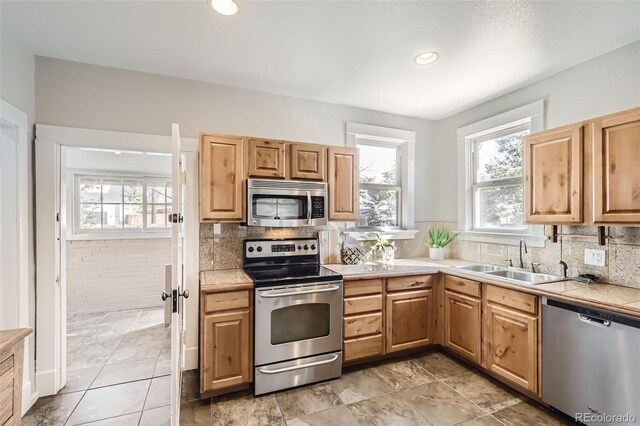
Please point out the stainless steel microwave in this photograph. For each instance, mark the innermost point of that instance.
(286, 203)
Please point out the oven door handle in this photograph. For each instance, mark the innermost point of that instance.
(273, 294)
(308, 207)
(265, 370)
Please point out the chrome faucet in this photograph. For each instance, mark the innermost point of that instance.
(564, 267)
(522, 242)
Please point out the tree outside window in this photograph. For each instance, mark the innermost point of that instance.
(380, 189)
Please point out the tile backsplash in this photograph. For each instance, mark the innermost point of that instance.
(224, 251)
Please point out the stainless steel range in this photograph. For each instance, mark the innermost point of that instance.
(298, 314)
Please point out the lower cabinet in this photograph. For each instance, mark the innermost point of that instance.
(463, 325)
(512, 337)
(363, 331)
(409, 314)
(226, 343)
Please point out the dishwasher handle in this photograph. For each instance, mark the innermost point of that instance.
(594, 321)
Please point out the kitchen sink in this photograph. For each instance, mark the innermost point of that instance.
(480, 268)
(524, 277)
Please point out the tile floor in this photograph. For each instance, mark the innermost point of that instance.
(118, 372)
(425, 389)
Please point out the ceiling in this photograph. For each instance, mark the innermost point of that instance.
(356, 53)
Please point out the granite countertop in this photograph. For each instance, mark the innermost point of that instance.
(224, 280)
(621, 299)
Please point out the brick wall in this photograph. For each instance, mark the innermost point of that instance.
(108, 275)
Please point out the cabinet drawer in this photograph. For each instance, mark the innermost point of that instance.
(359, 288)
(413, 282)
(6, 390)
(513, 299)
(362, 325)
(363, 347)
(224, 301)
(6, 365)
(357, 305)
(461, 285)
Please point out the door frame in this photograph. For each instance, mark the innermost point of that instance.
(19, 119)
(50, 304)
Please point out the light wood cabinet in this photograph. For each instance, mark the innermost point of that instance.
(553, 176)
(511, 343)
(11, 370)
(343, 183)
(616, 171)
(226, 342)
(266, 158)
(408, 319)
(221, 178)
(363, 331)
(308, 161)
(463, 325)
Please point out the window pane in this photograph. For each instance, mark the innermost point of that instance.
(155, 192)
(499, 207)
(157, 215)
(90, 216)
(112, 216)
(501, 157)
(379, 207)
(89, 190)
(112, 191)
(378, 164)
(133, 216)
(133, 191)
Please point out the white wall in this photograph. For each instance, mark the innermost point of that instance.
(17, 87)
(109, 161)
(112, 275)
(603, 85)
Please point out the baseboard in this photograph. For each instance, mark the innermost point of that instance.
(46, 383)
(28, 398)
(191, 358)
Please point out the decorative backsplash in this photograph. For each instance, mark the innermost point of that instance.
(622, 266)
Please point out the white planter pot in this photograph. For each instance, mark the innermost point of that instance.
(436, 253)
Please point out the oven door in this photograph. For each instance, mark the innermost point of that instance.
(297, 321)
(286, 207)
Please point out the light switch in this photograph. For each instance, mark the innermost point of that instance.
(594, 257)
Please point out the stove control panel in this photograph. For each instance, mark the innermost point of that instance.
(277, 248)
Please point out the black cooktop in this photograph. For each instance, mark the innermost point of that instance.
(291, 274)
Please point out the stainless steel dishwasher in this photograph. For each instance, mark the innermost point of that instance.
(590, 363)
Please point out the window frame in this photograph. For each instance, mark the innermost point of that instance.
(381, 186)
(531, 114)
(475, 186)
(145, 231)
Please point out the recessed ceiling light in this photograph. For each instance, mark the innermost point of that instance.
(426, 58)
(225, 7)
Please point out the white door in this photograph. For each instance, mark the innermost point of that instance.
(179, 293)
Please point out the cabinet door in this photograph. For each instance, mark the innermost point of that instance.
(553, 176)
(462, 325)
(266, 158)
(226, 352)
(408, 320)
(616, 153)
(512, 345)
(221, 178)
(343, 183)
(308, 161)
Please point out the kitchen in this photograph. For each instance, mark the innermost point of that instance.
(519, 175)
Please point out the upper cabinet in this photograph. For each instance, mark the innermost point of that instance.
(586, 173)
(266, 159)
(616, 168)
(308, 161)
(221, 177)
(343, 184)
(553, 176)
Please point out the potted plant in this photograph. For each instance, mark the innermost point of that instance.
(438, 239)
(383, 248)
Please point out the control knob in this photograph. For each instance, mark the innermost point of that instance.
(250, 249)
(259, 248)
(313, 246)
(306, 247)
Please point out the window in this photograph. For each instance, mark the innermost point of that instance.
(105, 204)
(498, 203)
(380, 188)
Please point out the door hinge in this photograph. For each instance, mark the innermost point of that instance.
(175, 218)
(58, 280)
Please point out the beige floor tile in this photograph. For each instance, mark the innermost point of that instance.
(359, 385)
(441, 405)
(338, 416)
(196, 412)
(159, 393)
(124, 372)
(160, 416)
(441, 365)
(126, 420)
(246, 410)
(488, 394)
(80, 379)
(487, 420)
(385, 410)
(52, 410)
(528, 413)
(404, 374)
(306, 400)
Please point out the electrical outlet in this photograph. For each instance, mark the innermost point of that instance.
(594, 257)
(217, 229)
